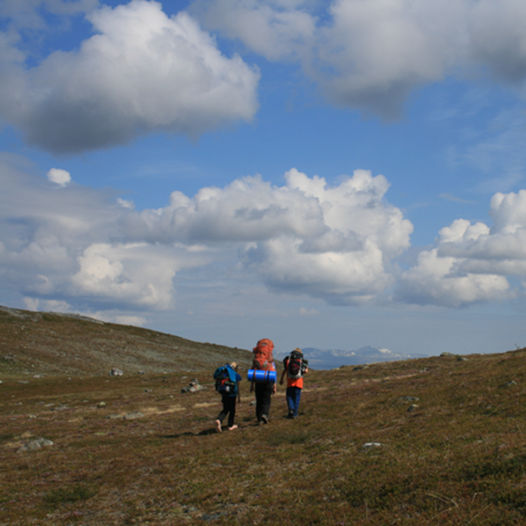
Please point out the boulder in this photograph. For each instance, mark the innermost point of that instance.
(192, 387)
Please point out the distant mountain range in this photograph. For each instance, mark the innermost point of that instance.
(332, 358)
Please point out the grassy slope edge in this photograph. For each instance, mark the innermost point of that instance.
(35, 343)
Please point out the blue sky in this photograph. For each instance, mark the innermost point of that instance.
(326, 174)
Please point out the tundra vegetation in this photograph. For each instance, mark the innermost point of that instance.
(437, 440)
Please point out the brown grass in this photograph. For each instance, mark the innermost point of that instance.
(451, 433)
(45, 343)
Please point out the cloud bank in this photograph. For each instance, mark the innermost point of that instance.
(371, 55)
(334, 243)
(140, 72)
(339, 244)
(471, 261)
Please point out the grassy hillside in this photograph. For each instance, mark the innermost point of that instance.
(431, 441)
(35, 343)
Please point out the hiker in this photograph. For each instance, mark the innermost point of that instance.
(227, 384)
(294, 366)
(263, 378)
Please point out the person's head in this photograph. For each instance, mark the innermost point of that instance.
(234, 366)
(297, 349)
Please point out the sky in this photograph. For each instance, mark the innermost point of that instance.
(327, 174)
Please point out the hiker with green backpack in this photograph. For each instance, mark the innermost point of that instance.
(227, 385)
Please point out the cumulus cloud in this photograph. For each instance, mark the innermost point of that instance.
(137, 274)
(472, 262)
(350, 261)
(379, 51)
(305, 237)
(141, 72)
(248, 209)
(67, 246)
(336, 243)
(371, 55)
(59, 176)
(436, 280)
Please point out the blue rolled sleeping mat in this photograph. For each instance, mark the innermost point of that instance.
(261, 376)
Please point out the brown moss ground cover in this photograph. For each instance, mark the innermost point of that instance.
(46, 343)
(451, 435)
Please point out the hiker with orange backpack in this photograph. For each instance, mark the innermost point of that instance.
(294, 366)
(262, 376)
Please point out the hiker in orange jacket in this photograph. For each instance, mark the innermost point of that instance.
(294, 366)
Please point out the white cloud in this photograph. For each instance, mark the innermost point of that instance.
(435, 281)
(509, 211)
(276, 30)
(339, 278)
(335, 243)
(472, 262)
(68, 246)
(59, 176)
(36, 304)
(379, 51)
(371, 55)
(248, 209)
(348, 262)
(133, 274)
(47, 305)
(305, 237)
(125, 203)
(144, 71)
(141, 72)
(462, 230)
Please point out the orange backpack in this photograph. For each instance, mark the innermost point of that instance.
(263, 355)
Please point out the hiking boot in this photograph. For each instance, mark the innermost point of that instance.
(218, 426)
(264, 419)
